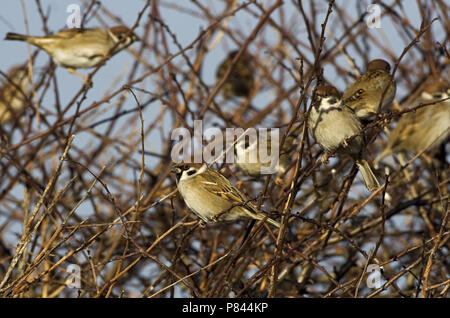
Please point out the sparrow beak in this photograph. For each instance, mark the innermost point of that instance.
(175, 170)
(136, 38)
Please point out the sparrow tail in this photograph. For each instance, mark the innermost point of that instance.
(369, 178)
(16, 37)
(261, 217)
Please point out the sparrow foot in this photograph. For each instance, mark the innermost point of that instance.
(86, 80)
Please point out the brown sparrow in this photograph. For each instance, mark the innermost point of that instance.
(240, 81)
(422, 129)
(364, 95)
(332, 123)
(80, 48)
(212, 197)
(247, 154)
(14, 94)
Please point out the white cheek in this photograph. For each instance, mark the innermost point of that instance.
(446, 95)
(186, 176)
(325, 105)
(426, 96)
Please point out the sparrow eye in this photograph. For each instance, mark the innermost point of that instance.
(191, 172)
(333, 101)
(437, 95)
(121, 36)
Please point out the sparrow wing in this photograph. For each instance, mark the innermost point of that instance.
(355, 96)
(347, 108)
(87, 43)
(405, 128)
(71, 33)
(216, 183)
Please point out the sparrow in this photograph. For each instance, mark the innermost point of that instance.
(423, 129)
(364, 95)
(212, 197)
(80, 48)
(14, 93)
(334, 125)
(248, 160)
(240, 81)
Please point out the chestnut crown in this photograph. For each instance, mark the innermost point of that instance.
(378, 64)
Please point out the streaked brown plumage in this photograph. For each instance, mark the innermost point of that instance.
(422, 129)
(364, 95)
(332, 123)
(240, 82)
(212, 197)
(13, 96)
(80, 48)
(246, 150)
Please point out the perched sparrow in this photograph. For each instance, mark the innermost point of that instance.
(422, 129)
(80, 48)
(212, 197)
(248, 154)
(364, 95)
(14, 93)
(332, 123)
(240, 82)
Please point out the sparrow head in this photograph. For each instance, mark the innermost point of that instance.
(378, 64)
(436, 90)
(326, 93)
(123, 35)
(17, 80)
(241, 80)
(19, 75)
(184, 171)
(18, 70)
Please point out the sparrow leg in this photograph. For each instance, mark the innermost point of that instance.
(202, 224)
(86, 80)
